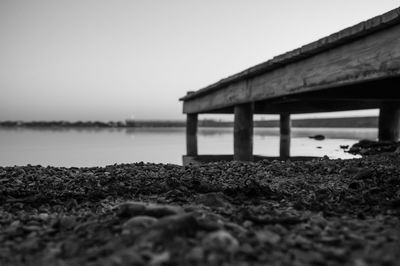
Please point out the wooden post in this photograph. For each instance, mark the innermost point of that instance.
(284, 145)
(389, 118)
(243, 132)
(191, 134)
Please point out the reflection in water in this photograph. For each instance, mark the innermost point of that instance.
(102, 146)
(154, 130)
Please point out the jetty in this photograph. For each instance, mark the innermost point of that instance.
(353, 69)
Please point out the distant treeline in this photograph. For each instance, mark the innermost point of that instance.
(40, 124)
(361, 122)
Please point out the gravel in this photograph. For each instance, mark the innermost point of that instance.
(319, 212)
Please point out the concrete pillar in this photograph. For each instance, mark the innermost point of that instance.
(389, 118)
(243, 132)
(284, 145)
(191, 134)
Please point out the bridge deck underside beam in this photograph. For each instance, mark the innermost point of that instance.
(368, 95)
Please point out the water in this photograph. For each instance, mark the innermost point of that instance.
(100, 147)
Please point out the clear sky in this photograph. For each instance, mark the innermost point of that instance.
(109, 59)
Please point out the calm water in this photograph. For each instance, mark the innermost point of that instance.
(99, 147)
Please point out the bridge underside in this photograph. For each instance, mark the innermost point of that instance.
(354, 69)
(368, 95)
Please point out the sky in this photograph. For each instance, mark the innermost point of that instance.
(116, 59)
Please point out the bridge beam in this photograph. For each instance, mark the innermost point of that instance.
(191, 134)
(243, 132)
(284, 145)
(389, 121)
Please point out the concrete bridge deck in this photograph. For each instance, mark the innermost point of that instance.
(353, 69)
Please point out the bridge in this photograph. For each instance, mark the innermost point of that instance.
(353, 69)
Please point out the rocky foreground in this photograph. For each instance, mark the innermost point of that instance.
(321, 212)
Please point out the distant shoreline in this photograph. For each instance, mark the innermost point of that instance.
(354, 122)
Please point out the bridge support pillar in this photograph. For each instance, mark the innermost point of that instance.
(191, 134)
(389, 121)
(243, 132)
(284, 145)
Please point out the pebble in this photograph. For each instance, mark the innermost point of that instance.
(15, 223)
(13, 228)
(350, 170)
(160, 259)
(67, 222)
(397, 194)
(195, 254)
(213, 199)
(124, 257)
(30, 244)
(70, 248)
(364, 174)
(338, 254)
(158, 211)
(236, 228)
(169, 227)
(360, 262)
(31, 228)
(210, 222)
(43, 216)
(267, 236)
(397, 151)
(221, 241)
(319, 220)
(137, 223)
(132, 208)
(129, 209)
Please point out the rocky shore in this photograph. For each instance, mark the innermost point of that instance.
(320, 212)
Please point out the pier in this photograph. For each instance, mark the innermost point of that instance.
(353, 69)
